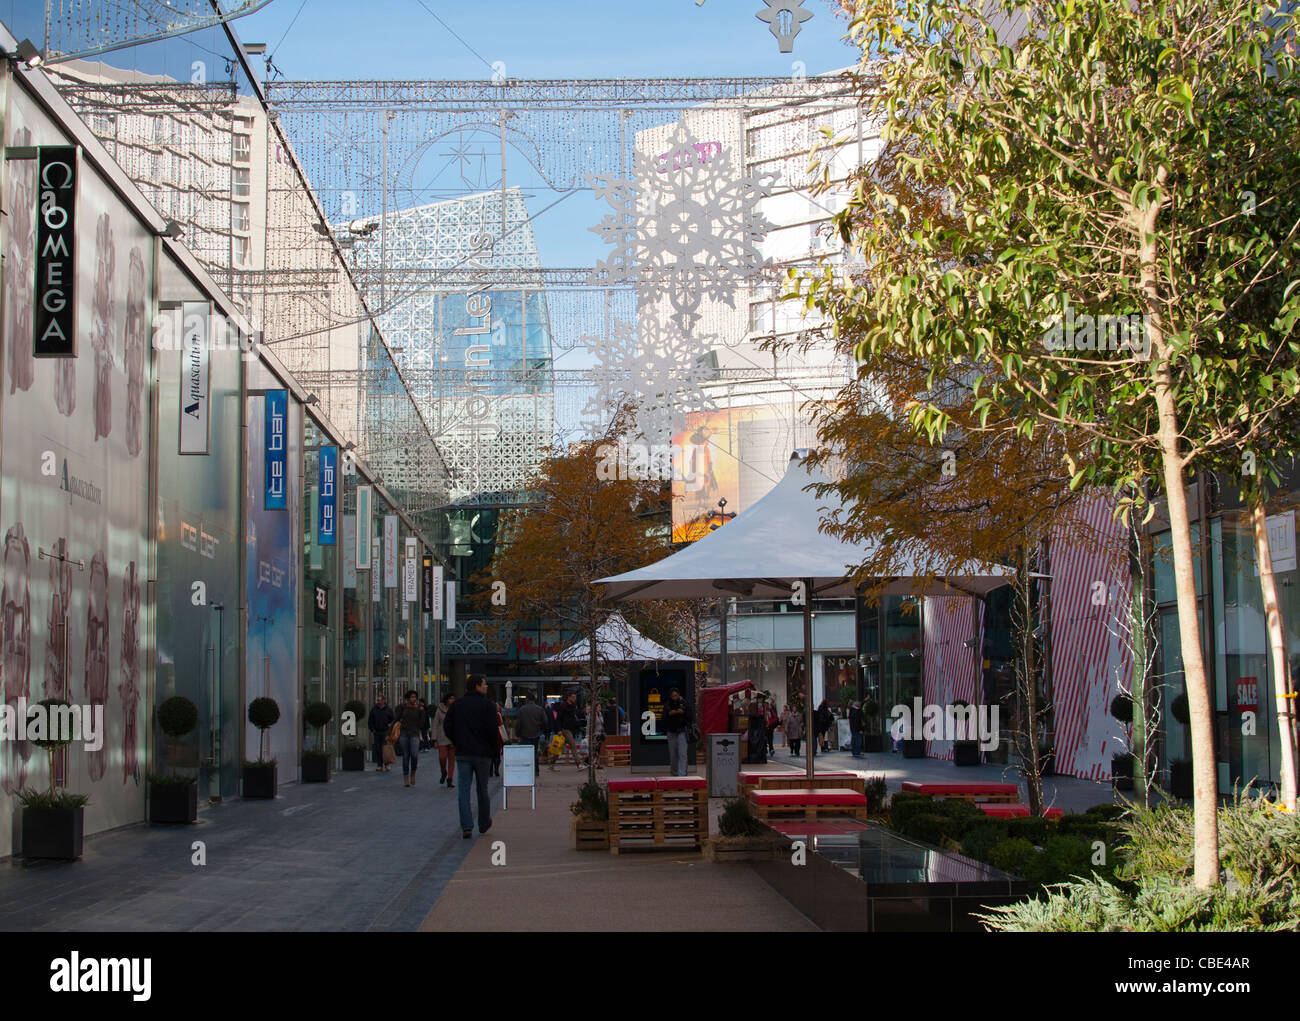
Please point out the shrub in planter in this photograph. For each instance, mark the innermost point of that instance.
(354, 749)
(931, 828)
(876, 791)
(1178, 709)
(260, 776)
(959, 810)
(173, 798)
(592, 803)
(914, 749)
(315, 762)
(978, 841)
(53, 822)
(1064, 858)
(1106, 812)
(904, 805)
(1016, 856)
(1033, 828)
(737, 820)
(1121, 707)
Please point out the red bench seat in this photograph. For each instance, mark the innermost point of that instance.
(1014, 811)
(958, 789)
(808, 796)
(679, 783)
(635, 783)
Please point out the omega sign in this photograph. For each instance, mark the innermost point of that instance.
(55, 334)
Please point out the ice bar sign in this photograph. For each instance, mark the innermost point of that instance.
(55, 321)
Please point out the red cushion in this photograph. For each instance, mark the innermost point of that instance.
(960, 788)
(808, 796)
(635, 783)
(1008, 811)
(681, 783)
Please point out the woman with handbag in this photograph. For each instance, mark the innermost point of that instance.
(411, 720)
(502, 733)
(446, 750)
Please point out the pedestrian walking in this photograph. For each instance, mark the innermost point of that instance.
(568, 724)
(793, 730)
(425, 742)
(380, 722)
(531, 728)
(446, 750)
(501, 741)
(471, 726)
(823, 721)
(677, 720)
(772, 720)
(413, 720)
(855, 729)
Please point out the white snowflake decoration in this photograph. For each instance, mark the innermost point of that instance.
(687, 224)
(656, 369)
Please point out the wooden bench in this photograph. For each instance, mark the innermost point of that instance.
(789, 781)
(1016, 811)
(666, 812)
(976, 792)
(617, 750)
(808, 803)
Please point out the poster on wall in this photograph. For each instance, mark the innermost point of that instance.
(365, 521)
(439, 592)
(74, 491)
(328, 505)
(194, 394)
(275, 433)
(390, 551)
(374, 573)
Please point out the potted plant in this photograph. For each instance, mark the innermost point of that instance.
(354, 751)
(259, 776)
(1121, 765)
(316, 761)
(174, 798)
(590, 826)
(742, 837)
(871, 737)
(53, 822)
(965, 752)
(1180, 770)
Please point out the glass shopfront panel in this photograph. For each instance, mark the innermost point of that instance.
(320, 596)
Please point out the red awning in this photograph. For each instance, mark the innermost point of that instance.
(714, 705)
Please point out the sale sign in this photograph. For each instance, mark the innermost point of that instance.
(1248, 694)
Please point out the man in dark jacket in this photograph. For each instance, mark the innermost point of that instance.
(380, 722)
(677, 719)
(568, 723)
(855, 729)
(413, 719)
(530, 726)
(471, 725)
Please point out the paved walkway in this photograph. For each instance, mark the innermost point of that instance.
(359, 853)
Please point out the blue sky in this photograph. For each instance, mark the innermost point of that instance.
(345, 39)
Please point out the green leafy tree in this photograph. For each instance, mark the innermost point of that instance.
(1124, 178)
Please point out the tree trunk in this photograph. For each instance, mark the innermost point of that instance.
(1277, 650)
(1031, 762)
(1205, 801)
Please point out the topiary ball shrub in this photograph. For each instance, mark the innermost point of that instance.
(357, 709)
(1121, 707)
(177, 716)
(318, 714)
(52, 714)
(263, 713)
(1178, 708)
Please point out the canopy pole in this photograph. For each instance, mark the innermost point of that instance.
(808, 733)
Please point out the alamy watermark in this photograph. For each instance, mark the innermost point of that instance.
(1103, 333)
(219, 333)
(921, 722)
(688, 463)
(60, 723)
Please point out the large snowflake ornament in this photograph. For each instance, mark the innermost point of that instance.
(688, 225)
(657, 369)
(785, 18)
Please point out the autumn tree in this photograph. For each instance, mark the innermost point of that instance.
(582, 523)
(1131, 131)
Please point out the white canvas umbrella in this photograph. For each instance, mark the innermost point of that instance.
(774, 544)
(617, 641)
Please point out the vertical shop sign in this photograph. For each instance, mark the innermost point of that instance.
(329, 467)
(194, 391)
(451, 606)
(55, 315)
(426, 585)
(365, 526)
(350, 551)
(390, 551)
(374, 572)
(277, 422)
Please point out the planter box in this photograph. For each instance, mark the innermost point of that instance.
(965, 753)
(913, 749)
(173, 802)
(1180, 780)
(53, 832)
(873, 743)
(738, 850)
(1121, 771)
(354, 760)
(315, 769)
(589, 835)
(259, 780)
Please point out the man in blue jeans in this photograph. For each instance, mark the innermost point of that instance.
(471, 726)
